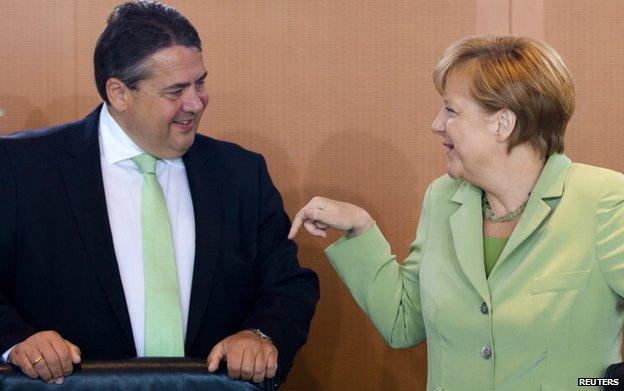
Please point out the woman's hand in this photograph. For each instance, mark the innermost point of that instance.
(322, 213)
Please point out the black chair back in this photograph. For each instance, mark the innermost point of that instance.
(139, 374)
(615, 371)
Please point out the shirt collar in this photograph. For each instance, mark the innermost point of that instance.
(116, 146)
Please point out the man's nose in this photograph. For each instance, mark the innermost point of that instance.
(194, 101)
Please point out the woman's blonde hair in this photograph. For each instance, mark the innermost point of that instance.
(520, 74)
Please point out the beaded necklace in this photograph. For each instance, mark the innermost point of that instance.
(489, 214)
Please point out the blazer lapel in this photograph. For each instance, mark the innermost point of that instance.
(82, 174)
(205, 186)
(549, 185)
(467, 230)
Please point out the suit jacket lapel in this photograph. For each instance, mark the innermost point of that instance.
(82, 174)
(549, 185)
(205, 186)
(467, 231)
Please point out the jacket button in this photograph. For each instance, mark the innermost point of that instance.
(484, 309)
(486, 352)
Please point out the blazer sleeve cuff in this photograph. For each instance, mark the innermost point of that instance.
(358, 260)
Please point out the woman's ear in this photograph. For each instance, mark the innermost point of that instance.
(505, 124)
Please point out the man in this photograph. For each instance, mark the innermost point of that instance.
(127, 234)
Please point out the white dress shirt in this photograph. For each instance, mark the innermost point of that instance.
(122, 185)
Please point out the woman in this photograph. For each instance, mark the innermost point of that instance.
(516, 275)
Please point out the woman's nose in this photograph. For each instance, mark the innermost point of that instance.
(437, 127)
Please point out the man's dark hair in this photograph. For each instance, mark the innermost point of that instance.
(135, 31)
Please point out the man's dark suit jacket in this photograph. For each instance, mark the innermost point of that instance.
(58, 269)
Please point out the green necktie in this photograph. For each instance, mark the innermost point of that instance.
(164, 336)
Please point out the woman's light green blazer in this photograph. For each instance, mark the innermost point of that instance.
(550, 311)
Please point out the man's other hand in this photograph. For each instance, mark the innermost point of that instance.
(248, 356)
(46, 355)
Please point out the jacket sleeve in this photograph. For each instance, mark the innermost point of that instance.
(389, 293)
(609, 232)
(13, 329)
(286, 293)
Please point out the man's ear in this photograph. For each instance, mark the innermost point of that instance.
(505, 124)
(118, 94)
